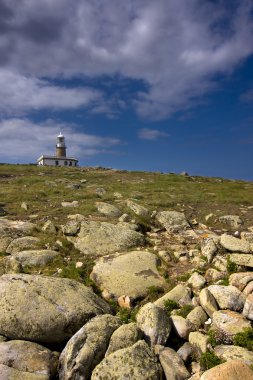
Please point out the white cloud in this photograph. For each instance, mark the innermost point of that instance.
(23, 140)
(151, 134)
(175, 47)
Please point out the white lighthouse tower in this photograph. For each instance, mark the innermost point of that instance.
(60, 158)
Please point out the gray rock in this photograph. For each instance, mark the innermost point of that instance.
(4, 242)
(70, 204)
(45, 309)
(242, 259)
(8, 373)
(208, 302)
(233, 221)
(124, 218)
(248, 307)
(23, 243)
(8, 226)
(209, 249)
(240, 280)
(24, 206)
(181, 326)
(185, 351)
(135, 363)
(248, 288)
(100, 191)
(12, 265)
(220, 263)
(197, 317)
(227, 297)
(213, 275)
(130, 274)
(29, 357)
(179, 294)
(247, 236)
(87, 348)
(155, 323)
(102, 238)
(228, 323)
(125, 336)
(172, 221)
(49, 227)
(234, 245)
(173, 365)
(108, 209)
(199, 341)
(230, 352)
(35, 258)
(71, 228)
(138, 209)
(196, 281)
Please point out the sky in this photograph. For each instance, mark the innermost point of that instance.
(164, 85)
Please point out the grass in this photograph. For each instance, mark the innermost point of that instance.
(209, 360)
(244, 339)
(170, 305)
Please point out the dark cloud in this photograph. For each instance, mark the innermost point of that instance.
(42, 30)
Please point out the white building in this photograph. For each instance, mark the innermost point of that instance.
(60, 158)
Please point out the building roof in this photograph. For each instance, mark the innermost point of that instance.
(56, 158)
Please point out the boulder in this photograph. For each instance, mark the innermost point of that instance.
(45, 309)
(125, 336)
(179, 294)
(245, 260)
(248, 236)
(135, 363)
(232, 370)
(233, 244)
(155, 323)
(49, 227)
(209, 249)
(227, 297)
(130, 273)
(138, 209)
(197, 317)
(172, 221)
(4, 242)
(71, 228)
(102, 238)
(185, 351)
(233, 221)
(23, 243)
(196, 281)
(199, 341)
(248, 307)
(228, 323)
(34, 258)
(240, 280)
(87, 348)
(8, 226)
(248, 288)
(29, 357)
(181, 326)
(173, 365)
(208, 302)
(230, 352)
(108, 209)
(8, 373)
(213, 275)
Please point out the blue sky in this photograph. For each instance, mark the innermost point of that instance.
(161, 85)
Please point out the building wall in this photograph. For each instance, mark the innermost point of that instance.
(52, 162)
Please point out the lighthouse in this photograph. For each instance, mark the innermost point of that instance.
(60, 146)
(60, 158)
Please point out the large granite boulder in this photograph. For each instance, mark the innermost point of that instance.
(179, 294)
(232, 370)
(241, 279)
(233, 221)
(172, 221)
(45, 309)
(11, 226)
(8, 373)
(228, 297)
(33, 258)
(23, 243)
(231, 352)
(125, 336)
(155, 323)
(102, 238)
(29, 357)
(135, 363)
(87, 348)
(137, 209)
(233, 244)
(129, 273)
(173, 365)
(242, 259)
(108, 209)
(227, 324)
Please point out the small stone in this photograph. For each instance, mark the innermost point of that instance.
(24, 206)
(79, 264)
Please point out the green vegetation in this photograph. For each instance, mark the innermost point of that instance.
(185, 310)
(213, 338)
(127, 315)
(171, 305)
(231, 267)
(209, 360)
(244, 339)
(154, 292)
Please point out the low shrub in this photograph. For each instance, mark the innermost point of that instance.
(209, 360)
(244, 338)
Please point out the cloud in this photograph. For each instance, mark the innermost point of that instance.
(176, 48)
(151, 134)
(24, 141)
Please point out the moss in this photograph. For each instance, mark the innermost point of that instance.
(209, 360)
(244, 338)
(171, 305)
(185, 310)
(224, 281)
(231, 267)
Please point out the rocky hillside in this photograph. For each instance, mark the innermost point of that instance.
(110, 274)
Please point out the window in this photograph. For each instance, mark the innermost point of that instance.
(75, 163)
(70, 163)
(56, 163)
(65, 163)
